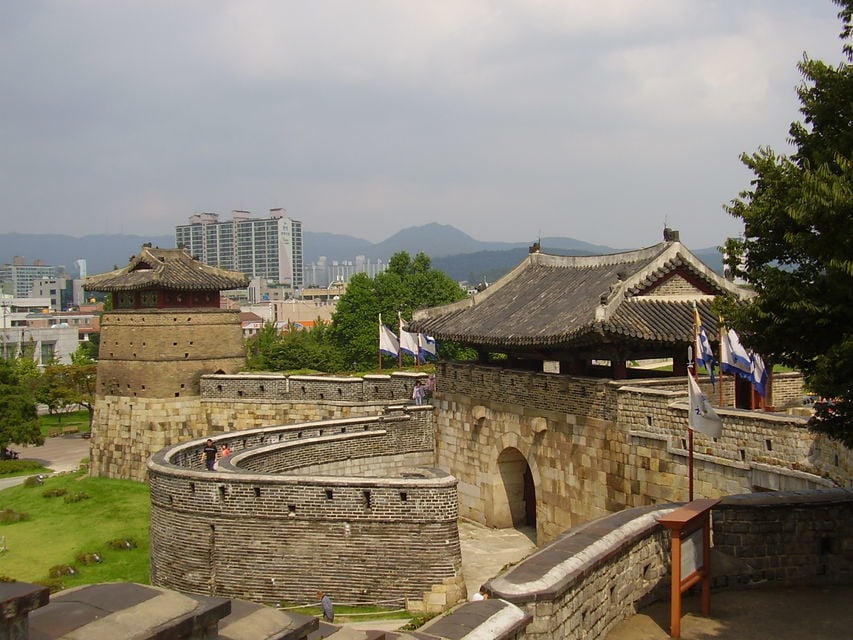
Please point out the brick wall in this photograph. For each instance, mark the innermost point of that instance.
(280, 533)
(599, 573)
(596, 446)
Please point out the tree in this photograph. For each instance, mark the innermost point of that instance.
(408, 284)
(18, 415)
(797, 248)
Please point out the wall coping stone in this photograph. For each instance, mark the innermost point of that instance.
(547, 573)
(776, 499)
(491, 619)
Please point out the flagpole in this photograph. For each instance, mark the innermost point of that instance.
(691, 371)
(380, 342)
(400, 330)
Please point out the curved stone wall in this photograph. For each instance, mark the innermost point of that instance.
(163, 353)
(262, 527)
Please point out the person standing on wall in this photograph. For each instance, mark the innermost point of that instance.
(326, 606)
(208, 454)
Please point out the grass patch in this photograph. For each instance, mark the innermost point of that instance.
(57, 423)
(11, 468)
(58, 533)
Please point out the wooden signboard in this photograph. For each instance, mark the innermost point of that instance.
(690, 527)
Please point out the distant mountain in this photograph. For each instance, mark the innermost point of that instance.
(456, 253)
(101, 252)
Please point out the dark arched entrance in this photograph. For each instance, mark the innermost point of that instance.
(519, 489)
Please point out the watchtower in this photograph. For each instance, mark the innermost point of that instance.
(165, 330)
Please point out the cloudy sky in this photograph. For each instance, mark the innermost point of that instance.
(600, 120)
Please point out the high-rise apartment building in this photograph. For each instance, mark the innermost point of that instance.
(268, 248)
(18, 278)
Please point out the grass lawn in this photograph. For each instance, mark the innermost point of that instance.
(57, 531)
(53, 425)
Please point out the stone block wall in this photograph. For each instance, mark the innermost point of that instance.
(128, 429)
(268, 537)
(163, 354)
(589, 579)
(596, 446)
(785, 538)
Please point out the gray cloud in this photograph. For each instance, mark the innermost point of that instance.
(598, 120)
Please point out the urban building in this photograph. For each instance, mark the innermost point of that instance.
(324, 272)
(29, 330)
(18, 278)
(268, 248)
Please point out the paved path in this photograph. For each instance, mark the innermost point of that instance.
(59, 454)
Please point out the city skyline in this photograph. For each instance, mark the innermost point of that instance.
(595, 120)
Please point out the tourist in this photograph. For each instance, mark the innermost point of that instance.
(225, 451)
(482, 594)
(418, 393)
(208, 454)
(326, 606)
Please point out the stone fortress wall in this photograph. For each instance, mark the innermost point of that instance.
(597, 446)
(127, 431)
(352, 506)
(581, 585)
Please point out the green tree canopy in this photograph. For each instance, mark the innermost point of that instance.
(797, 248)
(18, 416)
(408, 284)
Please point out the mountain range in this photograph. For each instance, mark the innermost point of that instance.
(456, 253)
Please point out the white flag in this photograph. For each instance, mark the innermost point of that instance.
(427, 350)
(388, 342)
(734, 357)
(703, 418)
(408, 341)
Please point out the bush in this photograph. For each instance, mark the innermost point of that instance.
(122, 544)
(53, 585)
(7, 579)
(16, 466)
(8, 516)
(59, 570)
(77, 496)
(34, 481)
(53, 493)
(89, 557)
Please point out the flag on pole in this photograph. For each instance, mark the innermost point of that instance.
(427, 347)
(703, 418)
(702, 346)
(759, 375)
(388, 343)
(733, 356)
(408, 342)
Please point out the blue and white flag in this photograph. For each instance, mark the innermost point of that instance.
(734, 358)
(704, 353)
(427, 347)
(703, 418)
(388, 343)
(759, 375)
(409, 342)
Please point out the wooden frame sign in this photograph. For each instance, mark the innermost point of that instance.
(690, 527)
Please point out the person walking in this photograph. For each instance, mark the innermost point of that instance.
(208, 454)
(418, 393)
(326, 606)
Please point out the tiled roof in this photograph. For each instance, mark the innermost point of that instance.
(553, 301)
(174, 269)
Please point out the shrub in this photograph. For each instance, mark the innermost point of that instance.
(53, 585)
(122, 544)
(54, 493)
(59, 570)
(34, 481)
(8, 516)
(89, 557)
(7, 579)
(77, 496)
